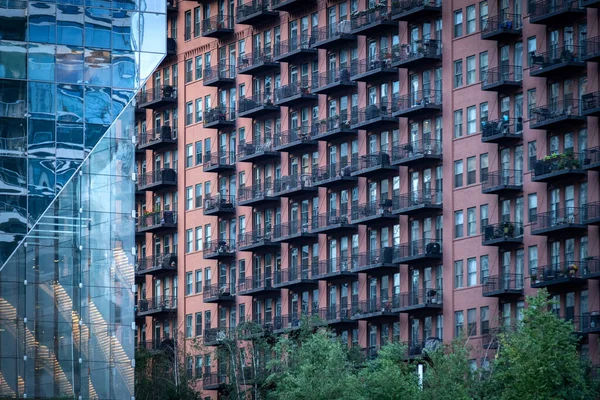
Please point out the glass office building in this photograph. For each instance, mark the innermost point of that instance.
(68, 73)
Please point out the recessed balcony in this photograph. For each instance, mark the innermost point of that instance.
(335, 175)
(590, 268)
(217, 27)
(337, 316)
(298, 278)
(503, 79)
(564, 276)
(559, 62)
(297, 139)
(504, 131)
(373, 68)
(415, 10)
(295, 94)
(503, 182)
(378, 212)
(158, 97)
(258, 286)
(290, 5)
(219, 76)
(503, 234)
(259, 240)
(377, 262)
(417, 348)
(376, 117)
(258, 63)
(420, 303)
(590, 323)
(160, 179)
(258, 195)
(289, 322)
(418, 105)
(218, 336)
(219, 162)
(418, 54)
(260, 150)
(419, 202)
(559, 168)
(591, 49)
(592, 213)
(564, 222)
(503, 27)
(503, 286)
(156, 264)
(338, 269)
(214, 381)
(376, 20)
(335, 222)
(417, 154)
(332, 81)
(219, 118)
(333, 36)
(155, 139)
(219, 205)
(255, 12)
(376, 164)
(222, 249)
(297, 232)
(160, 305)
(591, 159)
(157, 222)
(295, 49)
(171, 47)
(374, 310)
(551, 12)
(419, 251)
(256, 106)
(216, 294)
(294, 186)
(590, 104)
(335, 129)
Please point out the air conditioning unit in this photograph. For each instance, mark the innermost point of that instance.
(433, 248)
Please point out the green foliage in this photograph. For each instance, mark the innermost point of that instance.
(449, 375)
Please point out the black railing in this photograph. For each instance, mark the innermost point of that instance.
(375, 208)
(418, 248)
(335, 312)
(558, 271)
(503, 73)
(370, 16)
(503, 230)
(337, 30)
(403, 6)
(158, 218)
(292, 228)
(219, 202)
(219, 114)
(592, 211)
(252, 7)
(332, 171)
(211, 379)
(556, 163)
(502, 22)
(221, 71)
(256, 101)
(304, 271)
(384, 255)
(419, 98)
(374, 160)
(295, 135)
(256, 283)
(292, 182)
(165, 92)
(500, 282)
(164, 132)
(163, 175)
(591, 46)
(556, 218)
(215, 291)
(556, 56)
(544, 7)
(335, 217)
(373, 305)
(334, 123)
(591, 156)
(421, 297)
(418, 198)
(590, 321)
(257, 58)
(372, 113)
(217, 335)
(257, 147)
(504, 126)
(158, 303)
(255, 237)
(416, 50)
(301, 87)
(220, 158)
(426, 147)
(215, 23)
(504, 177)
(221, 246)
(157, 261)
(338, 264)
(371, 63)
(557, 109)
(590, 101)
(255, 192)
(331, 77)
(302, 42)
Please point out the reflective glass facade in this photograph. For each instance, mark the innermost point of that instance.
(68, 73)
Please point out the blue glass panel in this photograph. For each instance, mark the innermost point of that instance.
(69, 64)
(154, 6)
(41, 100)
(13, 99)
(13, 173)
(98, 109)
(42, 138)
(69, 141)
(122, 30)
(98, 24)
(98, 3)
(42, 23)
(120, 98)
(12, 59)
(13, 137)
(124, 4)
(123, 69)
(64, 171)
(97, 67)
(13, 20)
(69, 107)
(69, 25)
(41, 62)
(153, 41)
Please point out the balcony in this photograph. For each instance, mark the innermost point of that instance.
(592, 213)
(218, 336)
(376, 213)
(418, 153)
(415, 10)
(503, 286)
(591, 49)
(222, 249)
(172, 6)
(258, 195)
(332, 81)
(502, 182)
(295, 49)
(503, 234)
(160, 179)
(335, 270)
(217, 27)
(156, 264)
(157, 138)
(171, 47)
(333, 36)
(335, 129)
(417, 348)
(219, 76)
(257, 63)
(503, 27)
(218, 294)
(221, 161)
(376, 262)
(505, 130)
(158, 222)
(419, 202)
(255, 12)
(374, 118)
(257, 241)
(156, 306)
(374, 68)
(297, 139)
(258, 151)
(590, 268)
(298, 278)
(295, 185)
(294, 94)
(558, 63)
(374, 310)
(335, 222)
(335, 175)
(565, 276)
(219, 118)
(591, 159)
(256, 106)
(376, 164)
(564, 222)
(503, 79)
(590, 104)
(290, 5)
(590, 323)
(220, 205)
(156, 98)
(419, 104)
(558, 168)
(419, 251)
(420, 303)
(297, 232)
(259, 286)
(373, 21)
(418, 54)
(555, 12)
(214, 381)
(338, 316)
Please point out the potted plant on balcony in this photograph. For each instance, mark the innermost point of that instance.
(572, 270)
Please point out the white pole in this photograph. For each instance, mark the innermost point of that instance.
(420, 373)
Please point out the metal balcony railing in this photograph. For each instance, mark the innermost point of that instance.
(258, 146)
(372, 112)
(404, 6)
(501, 22)
(338, 264)
(421, 297)
(165, 92)
(256, 191)
(256, 101)
(257, 236)
(426, 147)
(302, 42)
(304, 271)
(220, 158)
(419, 98)
(221, 71)
(503, 73)
(372, 209)
(163, 175)
(556, 218)
(500, 282)
(166, 261)
(158, 303)
(164, 132)
(418, 248)
(257, 58)
(557, 109)
(299, 134)
(370, 306)
(373, 62)
(292, 228)
(292, 182)
(503, 230)
(375, 160)
(590, 101)
(221, 246)
(539, 9)
(252, 7)
(505, 126)
(556, 272)
(217, 23)
(557, 162)
(299, 88)
(416, 50)
(504, 177)
(591, 47)
(331, 77)
(334, 123)
(374, 15)
(335, 31)
(219, 114)
(556, 56)
(158, 218)
(335, 312)
(216, 291)
(332, 171)
(219, 202)
(419, 198)
(256, 283)
(384, 255)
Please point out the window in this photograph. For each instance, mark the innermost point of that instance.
(472, 271)
(189, 199)
(458, 74)
(199, 110)
(531, 49)
(198, 281)
(197, 19)
(471, 170)
(471, 120)
(471, 221)
(189, 240)
(483, 112)
(458, 224)
(188, 25)
(484, 264)
(532, 201)
(199, 324)
(458, 173)
(471, 17)
(189, 66)
(533, 260)
(199, 238)
(458, 123)
(472, 321)
(189, 155)
(531, 154)
(188, 326)
(199, 67)
(531, 102)
(188, 283)
(483, 15)
(458, 274)
(471, 70)
(189, 113)
(199, 152)
(483, 167)
(198, 195)
(458, 323)
(483, 215)
(458, 23)
(483, 65)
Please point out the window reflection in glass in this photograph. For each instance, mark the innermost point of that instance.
(69, 64)
(69, 25)
(12, 59)
(98, 24)
(69, 107)
(97, 67)
(41, 100)
(97, 106)
(42, 23)
(41, 61)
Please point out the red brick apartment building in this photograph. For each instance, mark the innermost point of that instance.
(405, 170)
